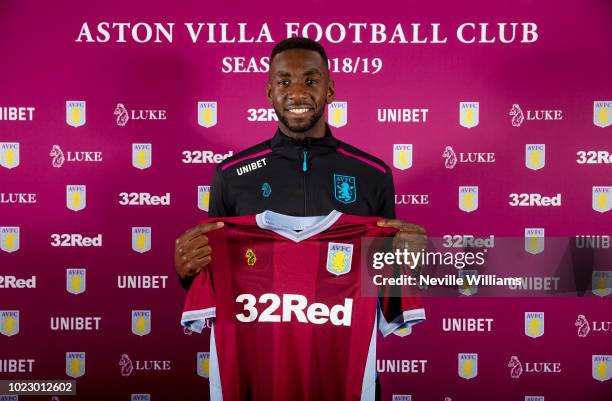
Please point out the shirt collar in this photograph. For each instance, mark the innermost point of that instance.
(286, 145)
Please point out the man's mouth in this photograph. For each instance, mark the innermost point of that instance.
(299, 110)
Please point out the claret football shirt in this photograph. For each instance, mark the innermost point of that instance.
(290, 319)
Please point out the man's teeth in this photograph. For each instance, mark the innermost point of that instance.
(299, 111)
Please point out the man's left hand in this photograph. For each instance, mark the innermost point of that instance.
(410, 236)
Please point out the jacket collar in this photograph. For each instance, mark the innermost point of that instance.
(292, 148)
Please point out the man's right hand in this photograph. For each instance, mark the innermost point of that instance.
(192, 252)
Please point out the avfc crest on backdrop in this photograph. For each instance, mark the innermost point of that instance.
(207, 114)
(141, 397)
(534, 240)
(339, 257)
(141, 322)
(466, 288)
(402, 156)
(9, 322)
(345, 188)
(534, 324)
(75, 113)
(203, 364)
(9, 239)
(469, 115)
(401, 397)
(337, 114)
(602, 113)
(468, 199)
(142, 155)
(76, 197)
(601, 282)
(75, 364)
(203, 197)
(468, 366)
(76, 281)
(601, 367)
(141, 239)
(602, 199)
(9, 154)
(535, 156)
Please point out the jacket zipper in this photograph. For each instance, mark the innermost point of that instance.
(304, 171)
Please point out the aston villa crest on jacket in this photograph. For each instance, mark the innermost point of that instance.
(467, 366)
(601, 282)
(601, 367)
(141, 322)
(535, 156)
(76, 197)
(203, 197)
(345, 188)
(602, 199)
(402, 156)
(534, 240)
(534, 324)
(75, 364)
(468, 287)
(9, 239)
(207, 114)
(9, 322)
(142, 155)
(203, 364)
(339, 258)
(469, 114)
(141, 239)
(337, 114)
(468, 199)
(75, 113)
(602, 113)
(76, 281)
(9, 154)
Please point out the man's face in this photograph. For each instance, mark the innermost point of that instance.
(299, 88)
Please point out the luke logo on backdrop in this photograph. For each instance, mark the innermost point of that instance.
(9, 154)
(75, 281)
(601, 282)
(203, 197)
(9, 322)
(345, 188)
(75, 364)
(450, 157)
(58, 158)
(535, 156)
(402, 156)
(76, 197)
(601, 367)
(517, 369)
(469, 114)
(75, 113)
(518, 117)
(584, 327)
(207, 114)
(337, 114)
(203, 364)
(339, 258)
(468, 198)
(141, 322)
(534, 324)
(141, 239)
(124, 115)
(9, 239)
(128, 367)
(602, 199)
(467, 366)
(534, 240)
(602, 113)
(142, 155)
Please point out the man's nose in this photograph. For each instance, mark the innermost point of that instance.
(296, 91)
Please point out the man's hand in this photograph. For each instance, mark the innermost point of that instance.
(410, 236)
(192, 251)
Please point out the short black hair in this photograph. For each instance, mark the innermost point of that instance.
(298, 43)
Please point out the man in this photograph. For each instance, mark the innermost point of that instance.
(303, 170)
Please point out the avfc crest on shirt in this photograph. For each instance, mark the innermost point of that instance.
(602, 113)
(76, 197)
(602, 199)
(75, 113)
(203, 364)
(468, 199)
(339, 258)
(469, 115)
(75, 281)
(141, 397)
(9, 154)
(203, 197)
(207, 114)
(141, 322)
(468, 366)
(9, 239)
(466, 288)
(75, 364)
(345, 188)
(535, 156)
(142, 155)
(141, 239)
(601, 282)
(402, 156)
(534, 324)
(9, 322)
(601, 367)
(534, 240)
(337, 114)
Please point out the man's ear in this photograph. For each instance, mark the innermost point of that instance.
(331, 91)
(269, 92)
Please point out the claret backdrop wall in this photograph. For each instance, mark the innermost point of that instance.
(496, 120)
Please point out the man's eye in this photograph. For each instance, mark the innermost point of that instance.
(312, 82)
(283, 82)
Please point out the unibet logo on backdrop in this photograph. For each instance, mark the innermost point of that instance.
(602, 199)
(9, 322)
(141, 239)
(468, 198)
(203, 364)
(142, 155)
(337, 114)
(534, 324)
(75, 364)
(535, 156)
(467, 366)
(9, 154)
(207, 114)
(9, 239)
(76, 197)
(402, 156)
(75, 113)
(141, 322)
(469, 114)
(203, 197)
(534, 240)
(75, 281)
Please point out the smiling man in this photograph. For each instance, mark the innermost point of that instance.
(303, 170)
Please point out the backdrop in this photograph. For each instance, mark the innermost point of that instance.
(113, 116)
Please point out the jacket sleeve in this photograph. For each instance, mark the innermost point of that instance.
(387, 197)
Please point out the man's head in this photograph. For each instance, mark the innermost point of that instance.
(299, 86)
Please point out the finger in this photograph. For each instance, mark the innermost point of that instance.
(204, 228)
(196, 243)
(199, 253)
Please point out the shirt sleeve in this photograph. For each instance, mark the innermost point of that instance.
(387, 197)
(200, 303)
(399, 312)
